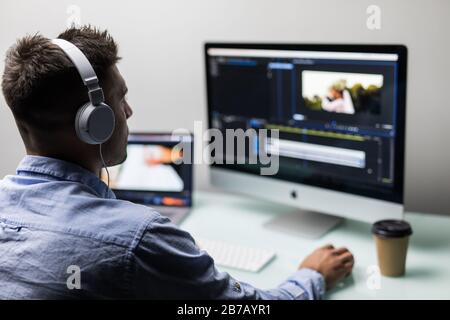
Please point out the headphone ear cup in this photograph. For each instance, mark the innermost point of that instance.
(81, 123)
(94, 124)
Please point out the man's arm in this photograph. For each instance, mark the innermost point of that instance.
(167, 264)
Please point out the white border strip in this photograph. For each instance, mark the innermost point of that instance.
(267, 53)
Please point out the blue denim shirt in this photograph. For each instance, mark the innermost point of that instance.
(64, 235)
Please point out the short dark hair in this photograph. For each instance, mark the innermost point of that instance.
(42, 86)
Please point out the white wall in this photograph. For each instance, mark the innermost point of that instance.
(161, 42)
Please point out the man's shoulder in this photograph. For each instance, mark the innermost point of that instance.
(75, 210)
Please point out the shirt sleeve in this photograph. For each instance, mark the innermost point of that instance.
(167, 264)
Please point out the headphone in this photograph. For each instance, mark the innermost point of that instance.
(95, 120)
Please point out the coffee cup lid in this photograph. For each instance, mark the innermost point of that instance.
(392, 228)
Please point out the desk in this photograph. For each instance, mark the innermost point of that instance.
(240, 220)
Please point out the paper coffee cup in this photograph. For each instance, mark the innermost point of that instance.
(391, 240)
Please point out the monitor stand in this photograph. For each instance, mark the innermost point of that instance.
(304, 223)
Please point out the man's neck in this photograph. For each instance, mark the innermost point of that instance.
(91, 166)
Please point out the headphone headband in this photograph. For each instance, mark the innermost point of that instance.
(95, 120)
(84, 68)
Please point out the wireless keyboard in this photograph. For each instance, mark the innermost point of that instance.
(236, 256)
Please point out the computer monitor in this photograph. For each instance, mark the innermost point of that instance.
(340, 112)
(150, 175)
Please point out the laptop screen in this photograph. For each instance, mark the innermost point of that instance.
(153, 172)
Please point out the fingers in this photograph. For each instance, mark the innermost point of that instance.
(344, 270)
(346, 257)
(327, 246)
(344, 261)
(340, 250)
(345, 264)
(349, 265)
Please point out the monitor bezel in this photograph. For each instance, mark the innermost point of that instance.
(397, 196)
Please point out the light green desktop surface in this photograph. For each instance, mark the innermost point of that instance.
(239, 220)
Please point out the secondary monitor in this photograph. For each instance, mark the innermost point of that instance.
(150, 174)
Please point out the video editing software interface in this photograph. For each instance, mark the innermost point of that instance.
(336, 113)
(151, 174)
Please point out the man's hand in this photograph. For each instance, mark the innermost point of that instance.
(333, 264)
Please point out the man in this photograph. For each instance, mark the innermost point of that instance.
(64, 235)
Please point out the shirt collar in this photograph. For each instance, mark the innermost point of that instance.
(63, 170)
